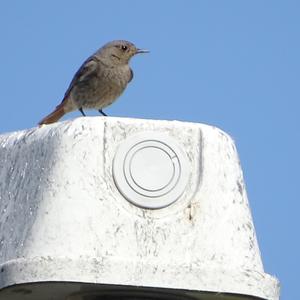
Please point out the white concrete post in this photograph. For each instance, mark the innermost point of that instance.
(112, 207)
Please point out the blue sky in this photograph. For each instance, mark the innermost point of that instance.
(232, 64)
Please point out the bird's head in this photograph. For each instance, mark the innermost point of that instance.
(118, 52)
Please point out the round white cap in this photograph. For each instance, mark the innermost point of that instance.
(151, 170)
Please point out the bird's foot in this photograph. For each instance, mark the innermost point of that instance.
(82, 112)
(102, 112)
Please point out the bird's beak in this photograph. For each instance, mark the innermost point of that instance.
(142, 51)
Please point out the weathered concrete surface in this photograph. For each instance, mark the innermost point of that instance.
(63, 218)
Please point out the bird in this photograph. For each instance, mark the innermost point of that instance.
(99, 81)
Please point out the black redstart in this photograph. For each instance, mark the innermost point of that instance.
(99, 81)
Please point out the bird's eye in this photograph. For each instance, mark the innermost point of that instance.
(124, 48)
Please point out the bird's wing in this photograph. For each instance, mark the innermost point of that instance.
(87, 69)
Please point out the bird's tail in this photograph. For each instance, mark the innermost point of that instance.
(55, 115)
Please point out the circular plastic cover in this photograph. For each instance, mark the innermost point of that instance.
(151, 170)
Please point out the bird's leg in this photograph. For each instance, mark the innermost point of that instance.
(102, 112)
(82, 112)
